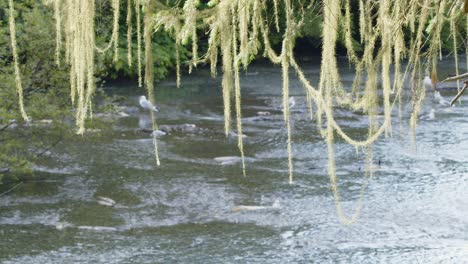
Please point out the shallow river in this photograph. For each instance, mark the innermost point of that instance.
(415, 206)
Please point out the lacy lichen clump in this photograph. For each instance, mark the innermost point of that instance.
(389, 32)
(80, 52)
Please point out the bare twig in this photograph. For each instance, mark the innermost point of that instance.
(7, 125)
(11, 189)
(50, 147)
(454, 78)
(459, 94)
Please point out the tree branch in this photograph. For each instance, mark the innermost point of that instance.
(7, 125)
(459, 94)
(454, 78)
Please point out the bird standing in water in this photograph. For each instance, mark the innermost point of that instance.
(146, 104)
(431, 82)
(432, 85)
(292, 102)
(428, 84)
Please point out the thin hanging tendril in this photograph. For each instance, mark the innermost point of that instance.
(19, 86)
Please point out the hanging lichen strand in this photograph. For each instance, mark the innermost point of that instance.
(114, 41)
(58, 30)
(129, 32)
(138, 29)
(239, 29)
(286, 54)
(381, 28)
(149, 69)
(453, 16)
(19, 86)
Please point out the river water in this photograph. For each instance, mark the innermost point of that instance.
(415, 206)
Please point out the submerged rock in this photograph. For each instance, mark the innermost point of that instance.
(62, 225)
(38, 123)
(123, 114)
(106, 201)
(147, 130)
(168, 129)
(235, 135)
(184, 128)
(263, 113)
(93, 130)
(227, 160)
(159, 133)
(45, 121)
(255, 73)
(97, 228)
(275, 206)
(128, 109)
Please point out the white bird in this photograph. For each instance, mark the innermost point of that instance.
(292, 102)
(146, 104)
(432, 114)
(428, 83)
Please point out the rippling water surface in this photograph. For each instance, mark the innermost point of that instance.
(415, 206)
